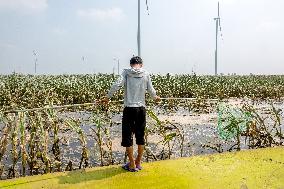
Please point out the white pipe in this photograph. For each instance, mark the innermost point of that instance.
(87, 104)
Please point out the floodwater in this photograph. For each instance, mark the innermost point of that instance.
(199, 129)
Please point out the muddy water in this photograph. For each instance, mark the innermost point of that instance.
(199, 130)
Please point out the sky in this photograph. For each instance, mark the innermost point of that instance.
(178, 36)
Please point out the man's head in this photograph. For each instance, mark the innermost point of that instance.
(136, 61)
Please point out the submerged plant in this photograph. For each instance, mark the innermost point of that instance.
(22, 127)
(44, 139)
(169, 133)
(54, 122)
(232, 121)
(264, 130)
(14, 142)
(102, 124)
(75, 125)
(8, 125)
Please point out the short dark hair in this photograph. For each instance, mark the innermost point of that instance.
(136, 60)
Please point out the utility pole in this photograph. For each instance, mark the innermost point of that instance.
(218, 26)
(139, 31)
(35, 60)
(117, 59)
(118, 66)
(216, 48)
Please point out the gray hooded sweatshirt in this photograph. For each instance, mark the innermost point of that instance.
(136, 82)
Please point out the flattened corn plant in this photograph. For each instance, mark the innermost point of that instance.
(33, 140)
(75, 124)
(29, 91)
(171, 135)
(258, 130)
(102, 124)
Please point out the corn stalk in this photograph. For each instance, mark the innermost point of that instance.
(166, 132)
(54, 124)
(22, 127)
(32, 127)
(75, 125)
(7, 120)
(43, 134)
(14, 142)
(98, 135)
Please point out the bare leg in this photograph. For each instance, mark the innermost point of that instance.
(129, 151)
(140, 154)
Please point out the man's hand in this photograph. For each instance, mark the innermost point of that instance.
(105, 100)
(157, 99)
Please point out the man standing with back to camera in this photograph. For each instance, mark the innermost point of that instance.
(136, 81)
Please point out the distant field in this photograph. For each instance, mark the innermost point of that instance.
(36, 91)
(253, 169)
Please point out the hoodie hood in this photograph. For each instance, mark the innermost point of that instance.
(135, 72)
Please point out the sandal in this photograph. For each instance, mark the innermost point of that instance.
(139, 167)
(127, 168)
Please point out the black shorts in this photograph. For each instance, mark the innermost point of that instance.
(133, 122)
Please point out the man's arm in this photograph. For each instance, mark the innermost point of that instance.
(119, 82)
(151, 89)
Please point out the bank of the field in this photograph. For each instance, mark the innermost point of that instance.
(252, 169)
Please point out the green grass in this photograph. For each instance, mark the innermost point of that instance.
(252, 169)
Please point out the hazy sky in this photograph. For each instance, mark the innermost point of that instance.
(177, 37)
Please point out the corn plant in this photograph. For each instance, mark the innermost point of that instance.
(7, 120)
(260, 133)
(232, 122)
(101, 129)
(75, 125)
(22, 127)
(43, 131)
(148, 150)
(27, 136)
(37, 91)
(14, 142)
(54, 122)
(277, 118)
(169, 133)
(33, 144)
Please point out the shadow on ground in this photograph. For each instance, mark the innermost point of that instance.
(73, 177)
(78, 176)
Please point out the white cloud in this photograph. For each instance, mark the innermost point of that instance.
(26, 6)
(111, 14)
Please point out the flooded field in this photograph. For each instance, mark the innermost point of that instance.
(193, 133)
